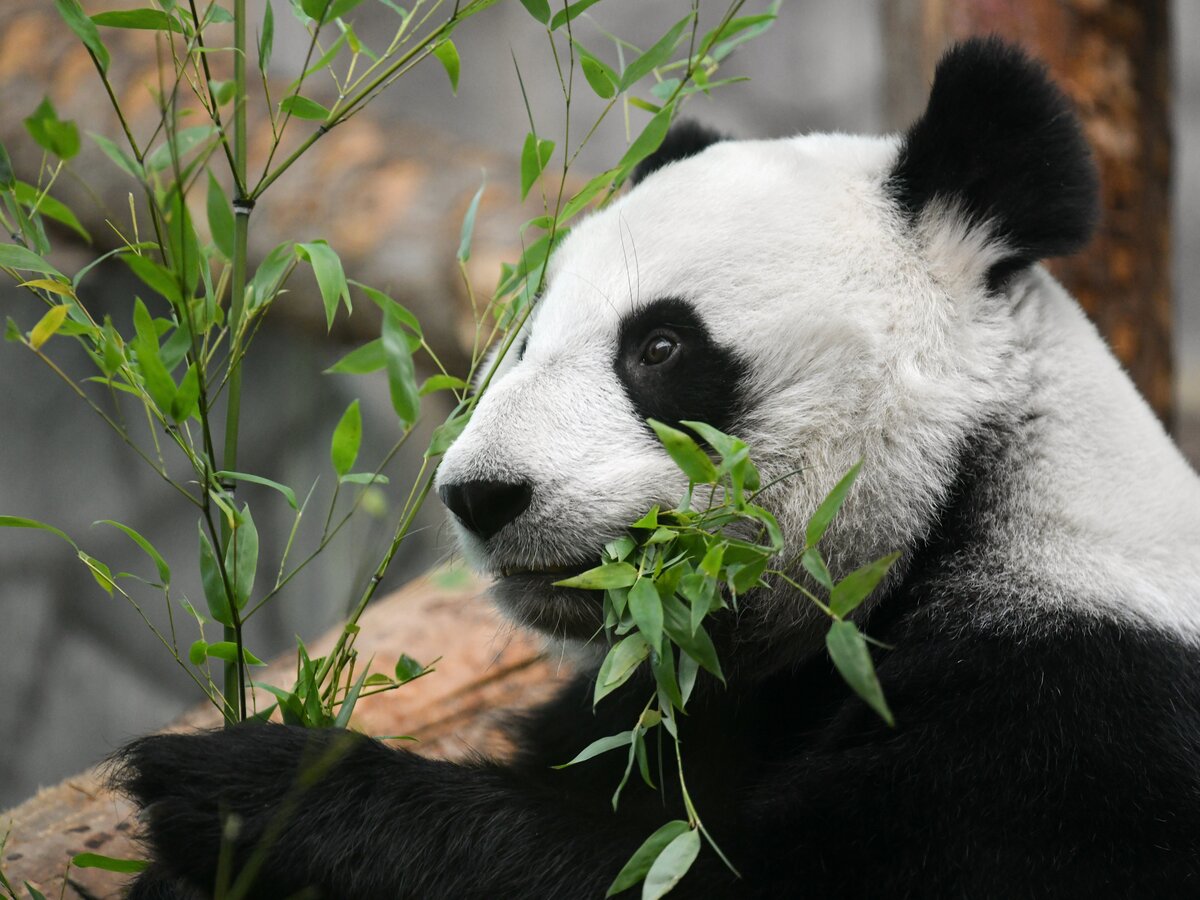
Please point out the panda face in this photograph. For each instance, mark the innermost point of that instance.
(753, 287)
(826, 298)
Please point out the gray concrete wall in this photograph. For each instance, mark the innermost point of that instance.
(79, 673)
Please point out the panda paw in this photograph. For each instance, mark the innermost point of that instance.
(207, 793)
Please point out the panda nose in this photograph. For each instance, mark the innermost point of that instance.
(486, 506)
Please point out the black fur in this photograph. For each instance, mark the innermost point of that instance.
(703, 382)
(1000, 140)
(685, 138)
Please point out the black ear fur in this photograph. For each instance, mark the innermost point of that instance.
(1001, 141)
(685, 138)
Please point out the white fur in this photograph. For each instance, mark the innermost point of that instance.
(867, 338)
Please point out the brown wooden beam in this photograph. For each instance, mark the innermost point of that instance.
(1113, 57)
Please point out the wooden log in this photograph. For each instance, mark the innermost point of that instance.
(1113, 58)
(486, 668)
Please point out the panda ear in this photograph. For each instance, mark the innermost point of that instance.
(685, 138)
(998, 149)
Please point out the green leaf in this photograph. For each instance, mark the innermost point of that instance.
(220, 217)
(155, 276)
(48, 207)
(123, 160)
(346, 710)
(266, 39)
(181, 240)
(814, 564)
(852, 590)
(100, 572)
(84, 28)
(347, 438)
(829, 506)
(849, 653)
(227, 650)
(198, 652)
(677, 622)
(164, 571)
(468, 225)
(367, 358)
(8, 180)
(156, 379)
(214, 587)
(686, 452)
(750, 28)
(648, 141)
(13, 256)
(655, 56)
(435, 383)
(34, 893)
(177, 146)
(563, 16)
(603, 745)
(384, 302)
(446, 433)
(534, 156)
(671, 865)
(600, 76)
(109, 863)
(47, 326)
(241, 557)
(339, 8)
(402, 379)
(620, 663)
(331, 278)
(639, 864)
(447, 55)
(287, 492)
(20, 522)
(144, 19)
(646, 608)
(408, 668)
(363, 478)
(303, 108)
(609, 575)
(269, 274)
(186, 399)
(539, 9)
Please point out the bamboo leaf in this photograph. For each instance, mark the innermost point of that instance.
(686, 452)
(852, 590)
(241, 557)
(402, 379)
(370, 357)
(655, 56)
(109, 863)
(639, 864)
(47, 326)
(287, 492)
(646, 608)
(468, 225)
(347, 438)
(85, 30)
(672, 864)
(266, 39)
(143, 19)
(609, 575)
(214, 587)
(164, 571)
(447, 55)
(563, 16)
(331, 278)
(220, 217)
(829, 507)
(303, 108)
(539, 9)
(850, 655)
(534, 156)
(13, 256)
(603, 745)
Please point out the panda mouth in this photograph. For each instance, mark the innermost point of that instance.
(547, 571)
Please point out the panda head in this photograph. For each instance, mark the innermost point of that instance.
(827, 298)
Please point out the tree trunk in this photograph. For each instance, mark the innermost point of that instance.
(1113, 57)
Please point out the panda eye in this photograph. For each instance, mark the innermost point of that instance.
(659, 348)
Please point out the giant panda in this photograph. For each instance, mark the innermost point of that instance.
(827, 298)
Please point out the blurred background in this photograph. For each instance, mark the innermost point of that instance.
(79, 672)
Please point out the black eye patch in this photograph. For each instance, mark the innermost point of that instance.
(695, 379)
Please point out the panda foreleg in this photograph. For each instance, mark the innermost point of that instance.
(290, 810)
